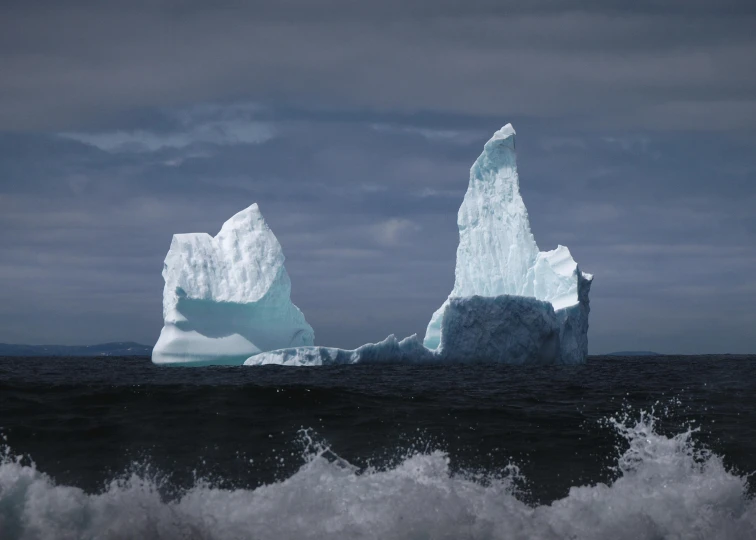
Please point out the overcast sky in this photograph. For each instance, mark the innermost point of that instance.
(353, 125)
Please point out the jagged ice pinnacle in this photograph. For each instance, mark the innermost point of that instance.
(498, 255)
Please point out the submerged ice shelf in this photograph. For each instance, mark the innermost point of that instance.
(226, 299)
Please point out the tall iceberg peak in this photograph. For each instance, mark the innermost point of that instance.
(498, 255)
(228, 297)
(496, 247)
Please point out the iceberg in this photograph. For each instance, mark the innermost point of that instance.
(227, 297)
(498, 257)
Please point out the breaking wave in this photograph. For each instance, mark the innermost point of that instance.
(665, 487)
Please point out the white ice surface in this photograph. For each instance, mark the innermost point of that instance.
(497, 253)
(227, 297)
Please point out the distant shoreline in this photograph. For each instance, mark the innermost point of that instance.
(118, 348)
(631, 353)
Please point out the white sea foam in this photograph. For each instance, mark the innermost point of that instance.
(666, 488)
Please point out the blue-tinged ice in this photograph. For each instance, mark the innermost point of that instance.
(498, 255)
(227, 297)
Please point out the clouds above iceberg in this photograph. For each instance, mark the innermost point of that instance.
(673, 65)
(353, 125)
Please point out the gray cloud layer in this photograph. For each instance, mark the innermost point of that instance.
(657, 65)
(354, 124)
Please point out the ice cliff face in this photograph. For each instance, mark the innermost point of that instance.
(227, 297)
(498, 256)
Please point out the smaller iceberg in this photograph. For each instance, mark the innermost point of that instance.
(227, 297)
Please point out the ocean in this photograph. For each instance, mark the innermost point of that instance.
(618, 448)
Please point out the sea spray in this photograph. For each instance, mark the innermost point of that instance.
(667, 486)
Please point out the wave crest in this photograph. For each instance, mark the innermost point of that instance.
(666, 487)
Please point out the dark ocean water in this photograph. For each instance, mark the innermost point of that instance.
(653, 447)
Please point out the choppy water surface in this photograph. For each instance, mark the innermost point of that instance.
(617, 448)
